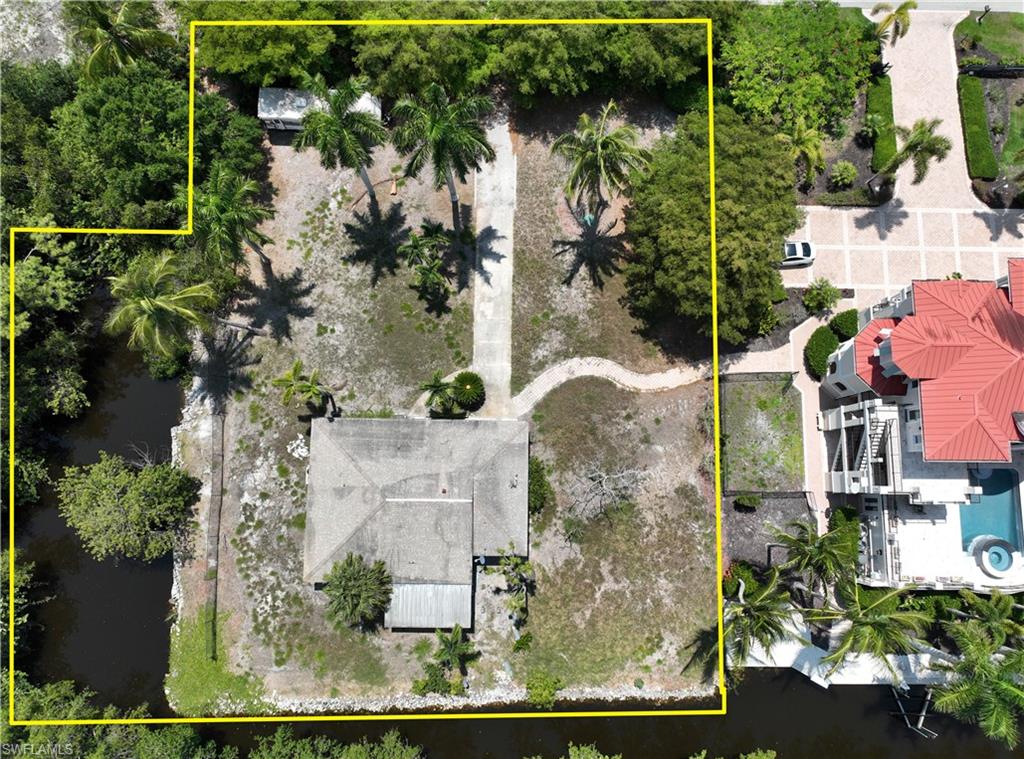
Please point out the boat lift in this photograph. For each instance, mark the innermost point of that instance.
(904, 703)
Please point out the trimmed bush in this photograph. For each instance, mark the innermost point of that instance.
(855, 196)
(879, 101)
(820, 296)
(748, 501)
(738, 570)
(542, 689)
(819, 347)
(843, 174)
(981, 159)
(468, 390)
(844, 324)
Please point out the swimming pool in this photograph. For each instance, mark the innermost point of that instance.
(996, 511)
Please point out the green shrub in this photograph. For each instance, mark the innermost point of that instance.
(819, 347)
(879, 101)
(748, 501)
(843, 174)
(523, 642)
(358, 592)
(820, 296)
(540, 494)
(738, 570)
(468, 390)
(973, 60)
(981, 159)
(435, 680)
(541, 688)
(844, 324)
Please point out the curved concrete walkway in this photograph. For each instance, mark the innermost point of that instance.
(604, 368)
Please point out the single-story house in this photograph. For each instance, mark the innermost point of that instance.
(426, 496)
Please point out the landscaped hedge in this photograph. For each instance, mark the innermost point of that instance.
(981, 159)
(844, 324)
(823, 341)
(879, 102)
(855, 196)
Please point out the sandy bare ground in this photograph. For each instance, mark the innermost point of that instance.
(33, 31)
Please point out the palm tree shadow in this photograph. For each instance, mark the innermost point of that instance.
(999, 224)
(884, 219)
(595, 250)
(376, 238)
(275, 303)
(704, 653)
(469, 263)
(222, 367)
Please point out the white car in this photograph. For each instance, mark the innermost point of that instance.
(797, 253)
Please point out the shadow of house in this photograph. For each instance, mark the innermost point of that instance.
(884, 219)
(376, 238)
(276, 302)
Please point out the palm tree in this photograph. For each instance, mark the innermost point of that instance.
(995, 614)
(824, 558)
(984, 687)
(895, 24)
(447, 134)
(117, 34)
(430, 279)
(308, 387)
(453, 649)
(600, 157)
(438, 390)
(341, 134)
(806, 146)
(428, 242)
(225, 215)
(874, 628)
(357, 592)
(758, 615)
(155, 308)
(920, 146)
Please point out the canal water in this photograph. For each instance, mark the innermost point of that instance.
(107, 629)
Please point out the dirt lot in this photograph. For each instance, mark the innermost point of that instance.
(623, 590)
(563, 305)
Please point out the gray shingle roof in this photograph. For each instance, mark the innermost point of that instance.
(423, 495)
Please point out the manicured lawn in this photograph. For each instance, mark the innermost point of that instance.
(762, 445)
(981, 159)
(999, 33)
(196, 683)
(879, 102)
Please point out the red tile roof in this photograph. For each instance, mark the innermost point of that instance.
(965, 343)
(869, 367)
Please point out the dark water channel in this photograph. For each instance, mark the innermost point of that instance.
(106, 629)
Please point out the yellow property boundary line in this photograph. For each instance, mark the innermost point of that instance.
(188, 231)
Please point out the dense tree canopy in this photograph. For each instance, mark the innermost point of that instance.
(121, 510)
(805, 59)
(669, 273)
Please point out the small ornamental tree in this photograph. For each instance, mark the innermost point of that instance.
(468, 390)
(820, 296)
(820, 346)
(121, 510)
(357, 593)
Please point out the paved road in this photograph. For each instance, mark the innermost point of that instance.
(495, 203)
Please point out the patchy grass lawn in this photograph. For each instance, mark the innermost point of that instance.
(568, 296)
(762, 444)
(196, 684)
(999, 33)
(619, 601)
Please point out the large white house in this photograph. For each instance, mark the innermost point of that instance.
(927, 432)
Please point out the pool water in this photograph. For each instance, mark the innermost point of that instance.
(995, 512)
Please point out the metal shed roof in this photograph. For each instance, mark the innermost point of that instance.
(428, 606)
(289, 105)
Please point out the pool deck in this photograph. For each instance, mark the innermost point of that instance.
(931, 549)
